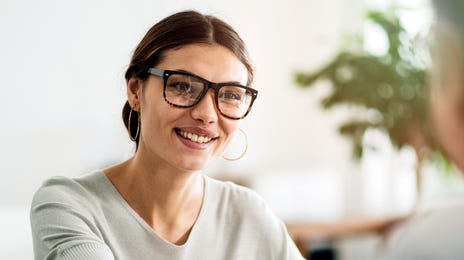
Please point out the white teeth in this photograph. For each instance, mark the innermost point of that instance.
(195, 138)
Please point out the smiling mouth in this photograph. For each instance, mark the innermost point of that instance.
(201, 139)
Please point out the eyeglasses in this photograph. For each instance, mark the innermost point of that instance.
(183, 89)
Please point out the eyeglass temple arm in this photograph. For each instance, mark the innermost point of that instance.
(156, 72)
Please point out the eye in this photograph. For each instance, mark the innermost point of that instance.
(229, 95)
(232, 94)
(180, 87)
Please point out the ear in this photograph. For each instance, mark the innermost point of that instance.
(134, 91)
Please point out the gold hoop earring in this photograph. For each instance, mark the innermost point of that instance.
(134, 139)
(244, 151)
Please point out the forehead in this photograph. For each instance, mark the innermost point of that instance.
(212, 62)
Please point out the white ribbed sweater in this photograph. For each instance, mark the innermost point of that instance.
(86, 218)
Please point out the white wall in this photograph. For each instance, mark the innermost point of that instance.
(62, 66)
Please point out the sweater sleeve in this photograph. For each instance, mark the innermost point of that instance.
(62, 227)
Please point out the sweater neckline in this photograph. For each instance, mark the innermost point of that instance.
(196, 226)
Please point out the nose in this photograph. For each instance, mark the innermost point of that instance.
(205, 111)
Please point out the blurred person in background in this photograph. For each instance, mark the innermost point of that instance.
(438, 233)
(447, 87)
(188, 87)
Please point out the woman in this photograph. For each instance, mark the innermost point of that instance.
(438, 233)
(188, 85)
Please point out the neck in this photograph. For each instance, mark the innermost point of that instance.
(169, 200)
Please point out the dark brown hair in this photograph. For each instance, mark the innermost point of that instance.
(183, 28)
(449, 13)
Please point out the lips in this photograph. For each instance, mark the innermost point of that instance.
(196, 135)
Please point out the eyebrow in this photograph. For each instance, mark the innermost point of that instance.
(227, 82)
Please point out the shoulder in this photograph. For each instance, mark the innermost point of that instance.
(67, 202)
(446, 219)
(234, 194)
(241, 213)
(241, 205)
(69, 191)
(418, 237)
(65, 218)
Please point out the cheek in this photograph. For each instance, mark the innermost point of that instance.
(230, 126)
(156, 118)
(229, 129)
(448, 124)
(440, 114)
(446, 103)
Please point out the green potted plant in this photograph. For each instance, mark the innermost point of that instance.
(392, 85)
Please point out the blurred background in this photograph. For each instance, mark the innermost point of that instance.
(62, 65)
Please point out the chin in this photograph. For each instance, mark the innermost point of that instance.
(193, 165)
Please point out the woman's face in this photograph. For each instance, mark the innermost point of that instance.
(447, 103)
(169, 134)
